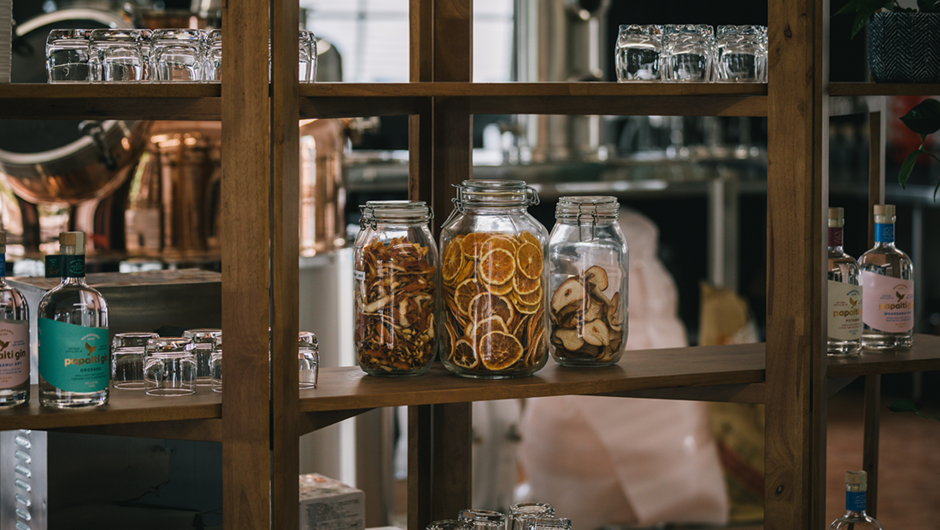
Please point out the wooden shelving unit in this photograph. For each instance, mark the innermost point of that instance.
(258, 424)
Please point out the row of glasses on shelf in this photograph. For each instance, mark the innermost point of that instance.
(692, 53)
(175, 366)
(140, 55)
(522, 516)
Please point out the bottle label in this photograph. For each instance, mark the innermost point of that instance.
(884, 232)
(73, 266)
(835, 236)
(74, 358)
(845, 311)
(855, 501)
(14, 352)
(888, 304)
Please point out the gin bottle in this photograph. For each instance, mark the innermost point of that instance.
(14, 339)
(74, 354)
(888, 283)
(855, 518)
(845, 293)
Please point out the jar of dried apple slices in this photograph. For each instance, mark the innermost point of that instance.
(493, 282)
(588, 263)
(395, 279)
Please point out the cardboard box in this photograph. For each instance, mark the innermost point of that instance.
(328, 504)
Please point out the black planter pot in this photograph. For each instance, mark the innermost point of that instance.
(904, 47)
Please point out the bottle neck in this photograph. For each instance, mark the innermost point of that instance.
(855, 502)
(835, 238)
(73, 267)
(884, 234)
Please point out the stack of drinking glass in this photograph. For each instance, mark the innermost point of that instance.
(522, 516)
(158, 56)
(692, 53)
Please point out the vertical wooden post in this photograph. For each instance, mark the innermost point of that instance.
(285, 251)
(245, 230)
(795, 443)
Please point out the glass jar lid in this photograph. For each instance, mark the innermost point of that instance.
(405, 212)
(495, 193)
(587, 208)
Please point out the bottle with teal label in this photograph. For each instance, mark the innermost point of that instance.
(14, 339)
(74, 350)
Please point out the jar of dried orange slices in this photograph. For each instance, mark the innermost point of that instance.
(493, 282)
(395, 278)
(588, 263)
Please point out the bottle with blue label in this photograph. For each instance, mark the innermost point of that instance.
(855, 518)
(14, 339)
(74, 350)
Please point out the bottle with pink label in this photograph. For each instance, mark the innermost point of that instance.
(14, 339)
(888, 283)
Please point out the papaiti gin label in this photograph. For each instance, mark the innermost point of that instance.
(845, 311)
(73, 358)
(888, 304)
(14, 352)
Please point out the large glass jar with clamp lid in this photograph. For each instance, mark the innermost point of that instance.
(588, 264)
(396, 289)
(493, 282)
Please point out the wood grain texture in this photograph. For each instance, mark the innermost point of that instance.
(350, 388)
(451, 453)
(921, 357)
(872, 439)
(126, 109)
(795, 238)
(286, 197)
(196, 430)
(245, 233)
(877, 135)
(420, 467)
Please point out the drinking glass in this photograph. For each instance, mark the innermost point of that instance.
(740, 54)
(687, 53)
(308, 358)
(127, 359)
(215, 366)
(483, 519)
(547, 522)
(307, 66)
(204, 341)
(638, 53)
(177, 55)
(67, 56)
(519, 513)
(115, 55)
(169, 367)
(449, 524)
(213, 67)
(145, 38)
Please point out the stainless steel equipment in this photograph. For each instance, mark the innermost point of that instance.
(561, 40)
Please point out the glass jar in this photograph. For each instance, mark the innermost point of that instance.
(588, 263)
(395, 280)
(493, 278)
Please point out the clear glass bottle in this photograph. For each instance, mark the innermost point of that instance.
(493, 282)
(14, 339)
(74, 356)
(888, 283)
(855, 518)
(845, 293)
(395, 281)
(588, 272)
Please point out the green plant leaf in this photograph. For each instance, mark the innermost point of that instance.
(923, 118)
(902, 405)
(908, 166)
(863, 10)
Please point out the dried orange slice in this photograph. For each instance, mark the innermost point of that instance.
(533, 298)
(499, 241)
(452, 262)
(502, 290)
(499, 350)
(526, 309)
(493, 323)
(486, 305)
(523, 285)
(497, 267)
(535, 349)
(529, 260)
(528, 237)
(465, 292)
(464, 356)
(473, 243)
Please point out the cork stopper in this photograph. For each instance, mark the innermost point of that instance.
(859, 478)
(836, 217)
(73, 239)
(886, 210)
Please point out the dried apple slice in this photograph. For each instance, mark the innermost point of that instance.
(597, 276)
(569, 291)
(595, 332)
(568, 338)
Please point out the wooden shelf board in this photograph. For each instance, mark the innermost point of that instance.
(124, 407)
(884, 89)
(924, 356)
(678, 368)
(103, 101)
